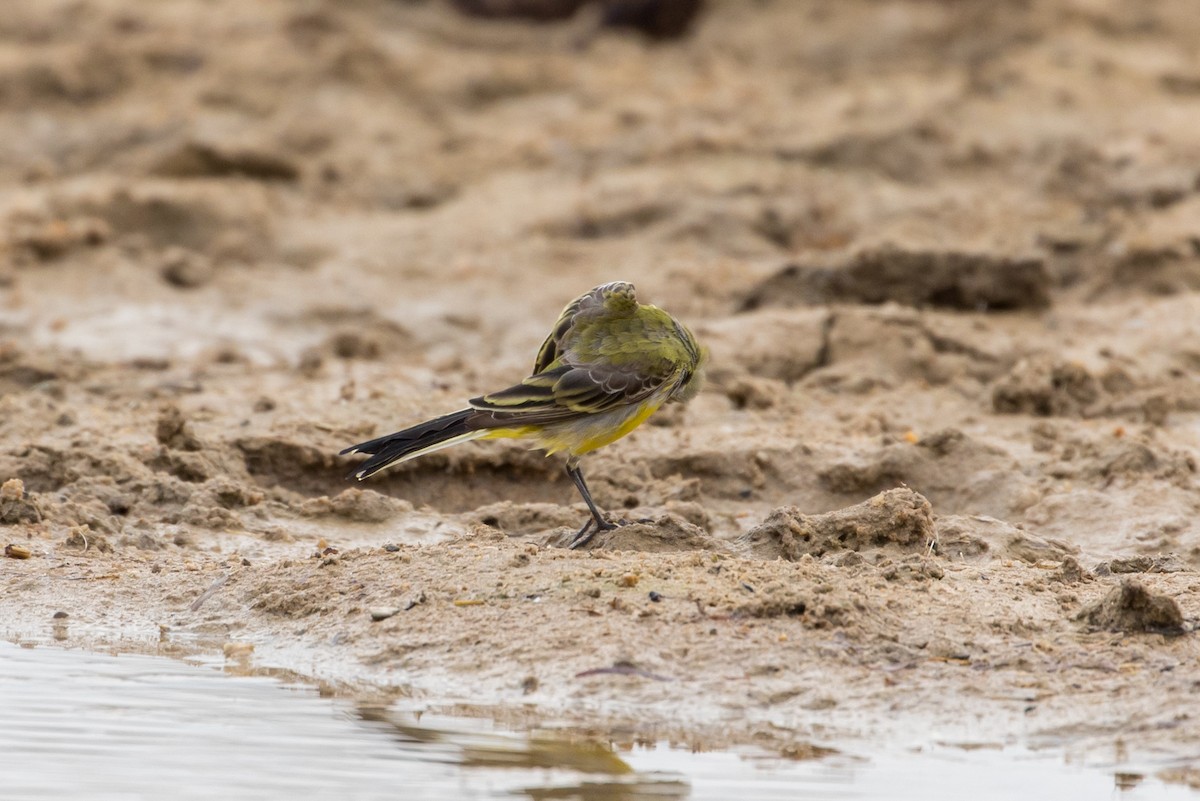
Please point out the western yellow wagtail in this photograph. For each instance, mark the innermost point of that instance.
(609, 363)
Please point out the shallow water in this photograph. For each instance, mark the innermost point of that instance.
(76, 724)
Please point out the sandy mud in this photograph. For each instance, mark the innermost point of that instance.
(945, 255)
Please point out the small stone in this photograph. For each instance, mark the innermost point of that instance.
(186, 269)
(174, 431)
(84, 538)
(1134, 607)
(383, 612)
(1071, 572)
(628, 580)
(15, 506)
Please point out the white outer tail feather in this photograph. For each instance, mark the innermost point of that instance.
(467, 437)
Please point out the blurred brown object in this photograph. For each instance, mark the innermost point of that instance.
(659, 19)
(539, 10)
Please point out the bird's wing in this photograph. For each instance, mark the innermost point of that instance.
(568, 380)
(617, 297)
(570, 390)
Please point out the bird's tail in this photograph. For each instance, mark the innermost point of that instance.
(419, 440)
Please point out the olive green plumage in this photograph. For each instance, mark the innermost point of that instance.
(608, 364)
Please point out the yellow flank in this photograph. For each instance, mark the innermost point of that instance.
(591, 443)
(512, 433)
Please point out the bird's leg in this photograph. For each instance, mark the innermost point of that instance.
(586, 533)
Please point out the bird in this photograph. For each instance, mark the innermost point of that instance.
(608, 364)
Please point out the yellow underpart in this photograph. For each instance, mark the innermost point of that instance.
(580, 436)
(512, 433)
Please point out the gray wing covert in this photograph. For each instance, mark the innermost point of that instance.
(613, 296)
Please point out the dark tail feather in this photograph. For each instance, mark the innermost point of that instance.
(412, 442)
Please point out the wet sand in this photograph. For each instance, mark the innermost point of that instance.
(941, 484)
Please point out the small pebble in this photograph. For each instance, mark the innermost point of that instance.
(391, 547)
(185, 269)
(654, 596)
(17, 552)
(12, 490)
(382, 612)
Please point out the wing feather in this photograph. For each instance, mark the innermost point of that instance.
(614, 297)
(568, 382)
(585, 389)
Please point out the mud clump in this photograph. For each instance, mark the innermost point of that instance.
(295, 465)
(174, 431)
(968, 536)
(1165, 563)
(959, 537)
(914, 567)
(524, 518)
(356, 505)
(184, 455)
(958, 473)
(1132, 607)
(666, 534)
(777, 605)
(212, 504)
(814, 603)
(945, 279)
(898, 518)
(84, 539)
(198, 159)
(16, 506)
(1046, 387)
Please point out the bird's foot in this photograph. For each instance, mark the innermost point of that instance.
(592, 527)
